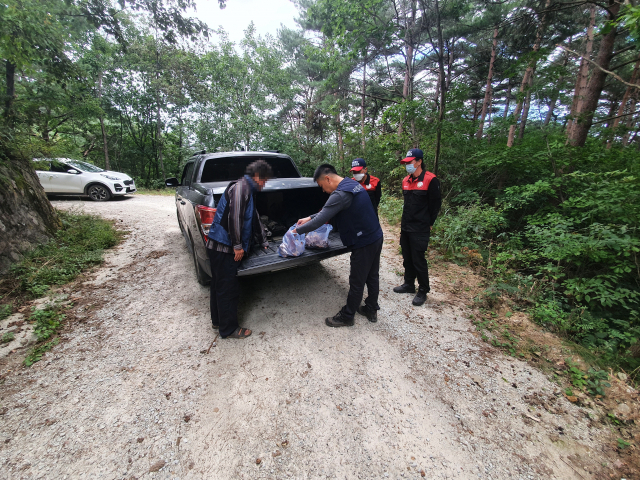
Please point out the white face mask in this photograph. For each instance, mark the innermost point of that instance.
(410, 168)
(358, 176)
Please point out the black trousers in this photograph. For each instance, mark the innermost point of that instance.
(225, 291)
(365, 270)
(414, 246)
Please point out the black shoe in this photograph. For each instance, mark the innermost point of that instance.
(339, 321)
(405, 288)
(215, 327)
(420, 298)
(370, 313)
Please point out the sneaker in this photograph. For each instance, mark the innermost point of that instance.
(370, 313)
(420, 298)
(339, 321)
(405, 288)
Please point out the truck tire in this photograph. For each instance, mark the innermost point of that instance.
(201, 275)
(99, 193)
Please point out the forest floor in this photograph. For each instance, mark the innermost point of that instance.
(137, 387)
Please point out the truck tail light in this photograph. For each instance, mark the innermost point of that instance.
(206, 215)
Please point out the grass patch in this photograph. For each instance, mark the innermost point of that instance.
(47, 322)
(7, 337)
(5, 311)
(35, 355)
(165, 192)
(77, 245)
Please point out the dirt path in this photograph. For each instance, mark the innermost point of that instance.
(129, 390)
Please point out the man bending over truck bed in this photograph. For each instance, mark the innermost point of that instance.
(359, 230)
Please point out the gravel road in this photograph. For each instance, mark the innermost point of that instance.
(129, 393)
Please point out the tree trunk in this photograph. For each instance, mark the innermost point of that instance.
(527, 78)
(625, 100)
(630, 121)
(407, 88)
(582, 78)
(525, 111)
(107, 166)
(11, 91)
(488, 91)
(556, 92)
(362, 104)
(506, 106)
(339, 135)
(582, 126)
(443, 90)
(159, 139)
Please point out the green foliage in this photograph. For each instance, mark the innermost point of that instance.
(78, 245)
(390, 208)
(576, 376)
(5, 311)
(35, 355)
(597, 382)
(7, 337)
(472, 226)
(622, 444)
(47, 321)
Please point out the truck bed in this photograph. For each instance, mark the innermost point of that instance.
(260, 261)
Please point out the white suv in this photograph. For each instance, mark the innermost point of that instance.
(73, 177)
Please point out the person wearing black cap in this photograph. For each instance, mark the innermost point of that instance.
(370, 183)
(359, 230)
(422, 202)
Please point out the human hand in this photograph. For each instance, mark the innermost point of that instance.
(237, 254)
(302, 221)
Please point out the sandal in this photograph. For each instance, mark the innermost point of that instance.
(240, 333)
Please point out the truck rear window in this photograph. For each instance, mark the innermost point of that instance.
(232, 168)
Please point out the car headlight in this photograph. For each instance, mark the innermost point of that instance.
(109, 177)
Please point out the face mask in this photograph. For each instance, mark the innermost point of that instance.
(358, 176)
(410, 168)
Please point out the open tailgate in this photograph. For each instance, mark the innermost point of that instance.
(260, 261)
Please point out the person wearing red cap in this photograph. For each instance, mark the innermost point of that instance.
(370, 183)
(422, 202)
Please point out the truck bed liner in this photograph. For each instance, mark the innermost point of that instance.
(260, 261)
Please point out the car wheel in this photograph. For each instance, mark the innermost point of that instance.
(99, 193)
(203, 278)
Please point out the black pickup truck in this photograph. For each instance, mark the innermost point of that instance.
(284, 199)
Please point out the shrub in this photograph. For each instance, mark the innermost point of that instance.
(76, 246)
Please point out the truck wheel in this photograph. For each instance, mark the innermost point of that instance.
(203, 278)
(99, 193)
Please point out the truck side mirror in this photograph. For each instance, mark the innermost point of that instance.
(172, 182)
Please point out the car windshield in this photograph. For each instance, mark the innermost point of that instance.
(84, 166)
(227, 169)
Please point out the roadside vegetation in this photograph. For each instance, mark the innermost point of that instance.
(77, 246)
(558, 240)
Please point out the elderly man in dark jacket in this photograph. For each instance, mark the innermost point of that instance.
(235, 225)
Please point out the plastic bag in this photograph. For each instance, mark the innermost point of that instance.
(319, 238)
(292, 244)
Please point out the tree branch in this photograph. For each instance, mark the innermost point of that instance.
(617, 77)
(613, 118)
